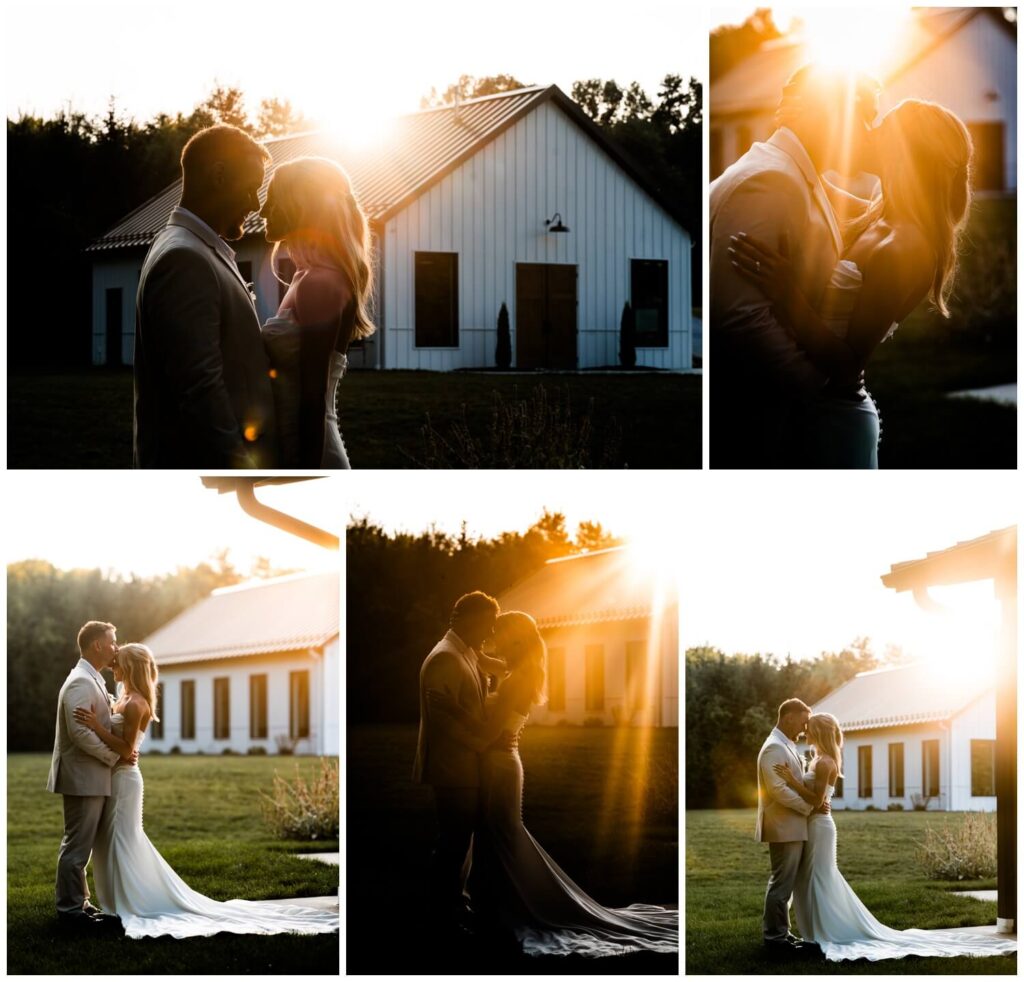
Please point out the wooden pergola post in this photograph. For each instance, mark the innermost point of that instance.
(990, 557)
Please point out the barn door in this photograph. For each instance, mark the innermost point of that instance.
(545, 315)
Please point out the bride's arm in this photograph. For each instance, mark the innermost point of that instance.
(119, 745)
(489, 729)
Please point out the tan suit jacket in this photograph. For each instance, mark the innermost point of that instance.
(81, 761)
(781, 812)
(447, 754)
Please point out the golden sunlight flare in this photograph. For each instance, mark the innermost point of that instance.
(849, 40)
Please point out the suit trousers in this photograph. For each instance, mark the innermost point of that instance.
(81, 820)
(785, 857)
(458, 811)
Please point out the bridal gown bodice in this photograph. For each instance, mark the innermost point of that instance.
(845, 426)
(548, 913)
(829, 913)
(135, 882)
(287, 344)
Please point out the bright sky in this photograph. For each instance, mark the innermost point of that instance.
(150, 523)
(348, 65)
(778, 563)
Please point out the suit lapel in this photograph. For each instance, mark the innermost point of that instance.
(185, 221)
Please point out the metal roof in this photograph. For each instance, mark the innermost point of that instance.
(989, 556)
(901, 696)
(289, 613)
(592, 587)
(418, 151)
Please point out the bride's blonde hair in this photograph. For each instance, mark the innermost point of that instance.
(824, 732)
(140, 673)
(524, 651)
(926, 153)
(328, 227)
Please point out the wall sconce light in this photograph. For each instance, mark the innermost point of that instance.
(554, 223)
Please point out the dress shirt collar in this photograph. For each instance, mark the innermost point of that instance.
(82, 663)
(786, 740)
(190, 220)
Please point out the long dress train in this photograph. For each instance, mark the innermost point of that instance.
(135, 882)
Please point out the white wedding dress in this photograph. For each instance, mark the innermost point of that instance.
(547, 912)
(829, 913)
(134, 881)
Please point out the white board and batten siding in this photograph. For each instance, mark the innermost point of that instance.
(115, 273)
(324, 737)
(491, 209)
(954, 736)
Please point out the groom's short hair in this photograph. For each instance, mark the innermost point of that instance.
(792, 706)
(222, 142)
(472, 605)
(813, 89)
(90, 631)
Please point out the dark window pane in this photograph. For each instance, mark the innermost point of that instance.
(221, 709)
(983, 768)
(864, 772)
(188, 710)
(556, 679)
(437, 299)
(594, 659)
(258, 707)
(649, 293)
(896, 770)
(298, 716)
(930, 768)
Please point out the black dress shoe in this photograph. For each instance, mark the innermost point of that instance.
(78, 923)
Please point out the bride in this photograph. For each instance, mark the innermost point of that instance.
(531, 896)
(901, 247)
(828, 912)
(132, 878)
(311, 211)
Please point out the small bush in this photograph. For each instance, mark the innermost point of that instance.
(154, 752)
(175, 750)
(920, 801)
(228, 752)
(257, 751)
(593, 721)
(960, 849)
(895, 806)
(870, 808)
(304, 809)
(285, 744)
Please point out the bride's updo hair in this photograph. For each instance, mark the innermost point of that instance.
(327, 227)
(139, 667)
(524, 651)
(824, 732)
(925, 152)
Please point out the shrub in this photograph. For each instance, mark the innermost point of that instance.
(285, 744)
(154, 752)
(627, 337)
(304, 809)
(228, 752)
(920, 801)
(960, 849)
(503, 349)
(870, 808)
(257, 751)
(175, 750)
(593, 721)
(539, 431)
(895, 806)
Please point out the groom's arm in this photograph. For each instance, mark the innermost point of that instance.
(81, 694)
(181, 321)
(776, 788)
(763, 206)
(444, 674)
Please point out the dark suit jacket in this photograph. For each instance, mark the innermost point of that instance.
(202, 383)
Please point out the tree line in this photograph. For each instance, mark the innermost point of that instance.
(46, 606)
(732, 704)
(400, 590)
(72, 176)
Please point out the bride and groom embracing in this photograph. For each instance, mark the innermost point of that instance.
(807, 280)
(94, 769)
(473, 707)
(214, 387)
(794, 817)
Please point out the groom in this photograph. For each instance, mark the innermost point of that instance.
(202, 378)
(448, 754)
(763, 381)
(782, 823)
(80, 771)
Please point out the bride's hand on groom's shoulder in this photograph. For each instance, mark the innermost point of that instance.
(783, 770)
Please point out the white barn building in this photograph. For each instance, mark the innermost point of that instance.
(252, 667)
(910, 736)
(516, 199)
(611, 629)
(962, 57)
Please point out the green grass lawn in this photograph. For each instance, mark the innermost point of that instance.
(726, 875)
(582, 817)
(83, 419)
(202, 814)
